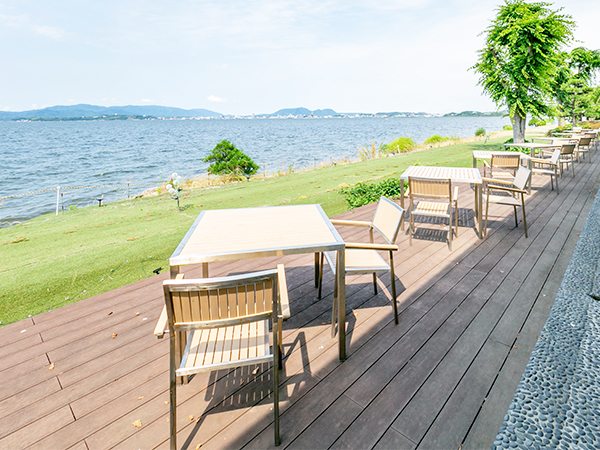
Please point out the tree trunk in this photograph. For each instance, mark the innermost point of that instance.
(518, 127)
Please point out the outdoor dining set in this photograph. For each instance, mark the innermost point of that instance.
(216, 323)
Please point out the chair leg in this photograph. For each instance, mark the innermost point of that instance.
(394, 300)
(524, 219)
(516, 218)
(276, 365)
(374, 283)
(450, 232)
(334, 309)
(487, 209)
(172, 394)
(411, 224)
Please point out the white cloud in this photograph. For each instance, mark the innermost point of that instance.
(24, 22)
(214, 98)
(147, 100)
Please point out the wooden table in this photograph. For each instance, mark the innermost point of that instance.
(231, 234)
(456, 175)
(532, 146)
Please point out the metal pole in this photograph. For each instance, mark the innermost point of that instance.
(57, 198)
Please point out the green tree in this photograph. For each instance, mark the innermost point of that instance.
(520, 58)
(226, 159)
(572, 83)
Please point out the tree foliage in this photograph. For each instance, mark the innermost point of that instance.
(226, 159)
(573, 83)
(520, 58)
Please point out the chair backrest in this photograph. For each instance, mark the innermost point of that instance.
(429, 187)
(215, 302)
(555, 156)
(522, 177)
(387, 219)
(585, 141)
(590, 135)
(567, 149)
(506, 161)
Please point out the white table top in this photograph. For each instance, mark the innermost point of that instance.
(530, 145)
(228, 234)
(484, 154)
(456, 174)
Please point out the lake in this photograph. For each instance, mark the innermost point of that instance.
(39, 156)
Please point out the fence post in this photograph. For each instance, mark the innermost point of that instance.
(57, 198)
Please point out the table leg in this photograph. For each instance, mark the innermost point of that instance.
(479, 208)
(204, 270)
(402, 201)
(341, 299)
(317, 269)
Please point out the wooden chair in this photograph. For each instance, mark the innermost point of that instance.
(426, 188)
(227, 322)
(517, 192)
(593, 135)
(567, 157)
(545, 166)
(502, 166)
(583, 147)
(364, 257)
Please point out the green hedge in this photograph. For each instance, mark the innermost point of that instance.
(365, 193)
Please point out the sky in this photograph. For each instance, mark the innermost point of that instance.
(245, 57)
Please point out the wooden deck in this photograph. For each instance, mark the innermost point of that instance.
(79, 377)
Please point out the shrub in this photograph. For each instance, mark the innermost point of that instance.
(400, 145)
(435, 139)
(367, 152)
(226, 159)
(364, 193)
(480, 131)
(507, 127)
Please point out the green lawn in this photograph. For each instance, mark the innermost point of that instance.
(53, 260)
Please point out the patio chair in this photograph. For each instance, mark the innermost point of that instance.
(516, 194)
(426, 188)
(583, 147)
(545, 166)
(567, 157)
(228, 313)
(502, 166)
(364, 257)
(594, 138)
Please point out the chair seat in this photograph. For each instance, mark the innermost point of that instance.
(503, 200)
(359, 261)
(437, 209)
(544, 171)
(224, 347)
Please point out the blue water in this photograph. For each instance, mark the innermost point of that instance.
(43, 155)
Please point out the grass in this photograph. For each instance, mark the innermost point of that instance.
(54, 260)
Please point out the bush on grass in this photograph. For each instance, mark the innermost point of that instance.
(228, 160)
(364, 193)
(480, 131)
(401, 145)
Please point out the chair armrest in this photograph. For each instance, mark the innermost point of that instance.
(508, 189)
(284, 299)
(366, 246)
(543, 161)
(495, 180)
(485, 163)
(350, 223)
(161, 325)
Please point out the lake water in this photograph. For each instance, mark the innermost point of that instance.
(37, 156)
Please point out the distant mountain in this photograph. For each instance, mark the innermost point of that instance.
(304, 112)
(96, 111)
(476, 114)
